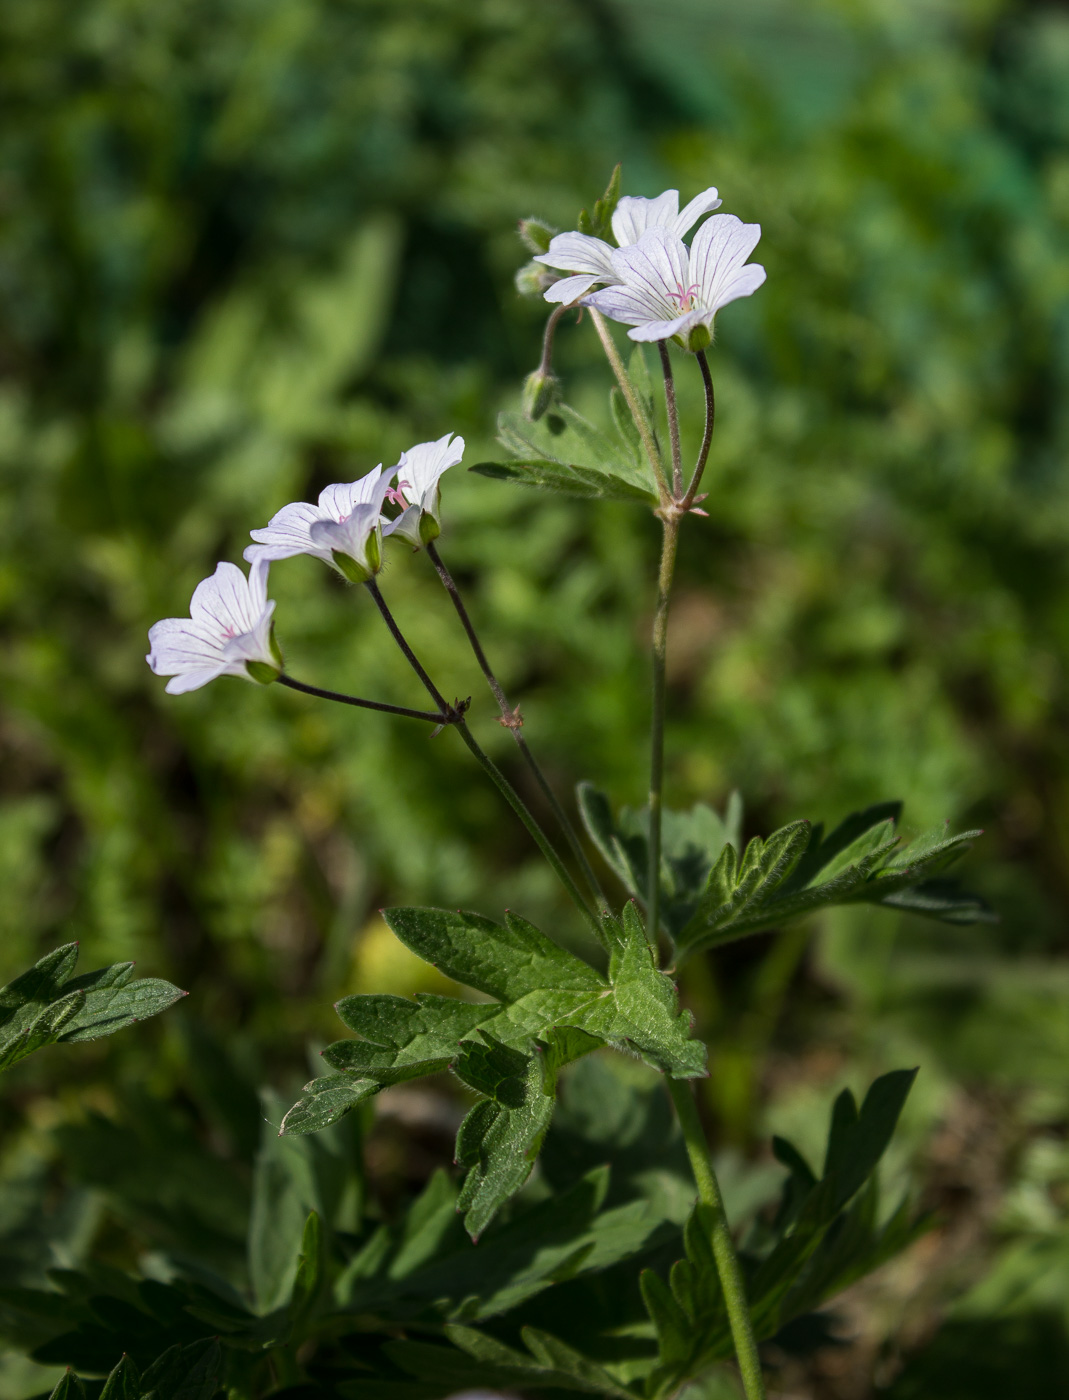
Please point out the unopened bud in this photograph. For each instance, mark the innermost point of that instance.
(533, 279)
(540, 391)
(536, 235)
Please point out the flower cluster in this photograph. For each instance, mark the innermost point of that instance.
(652, 281)
(229, 631)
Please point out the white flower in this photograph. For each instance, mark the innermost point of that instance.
(228, 633)
(418, 475)
(343, 529)
(666, 290)
(592, 258)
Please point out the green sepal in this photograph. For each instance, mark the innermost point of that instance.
(123, 1382)
(261, 672)
(599, 224)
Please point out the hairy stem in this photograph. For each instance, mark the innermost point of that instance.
(512, 723)
(669, 541)
(727, 1261)
(707, 440)
(638, 413)
(429, 715)
(546, 366)
(673, 419)
(518, 805)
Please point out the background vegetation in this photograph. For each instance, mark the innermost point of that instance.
(249, 249)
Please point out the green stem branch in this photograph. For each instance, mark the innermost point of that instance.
(669, 541)
(673, 419)
(638, 413)
(454, 715)
(727, 1261)
(320, 694)
(517, 804)
(707, 440)
(512, 722)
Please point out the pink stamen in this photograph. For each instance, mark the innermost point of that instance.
(684, 296)
(393, 493)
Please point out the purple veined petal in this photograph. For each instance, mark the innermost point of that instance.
(405, 525)
(570, 289)
(422, 467)
(664, 330)
(633, 215)
(720, 247)
(193, 680)
(742, 283)
(656, 268)
(223, 601)
(286, 534)
(251, 645)
(578, 252)
(628, 305)
(689, 215)
(341, 499)
(348, 536)
(179, 644)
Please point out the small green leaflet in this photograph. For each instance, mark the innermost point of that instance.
(710, 896)
(599, 224)
(550, 1008)
(563, 452)
(46, 1004)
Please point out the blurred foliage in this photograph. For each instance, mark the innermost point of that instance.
(249, 249)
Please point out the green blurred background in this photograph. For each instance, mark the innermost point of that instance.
(255, 246)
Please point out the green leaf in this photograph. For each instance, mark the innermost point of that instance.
(647, 1016)
(790, 875)
(569, 478)
(552, 1008)
(823, 1238)
(563, 452)
(691, 844)
(191, 1372)
(311, 1277)
(325, 1101)
(124, 1382)
(69, 1387)
(46, 1005)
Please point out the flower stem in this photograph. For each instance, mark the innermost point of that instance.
(512, 722)
(546, 366)
(673, 419)
(387, 616)
(518, 805)
(638, 413)
(670, 539)
(454, 715)
(431, 716)
(727, 1261)
(707, 440)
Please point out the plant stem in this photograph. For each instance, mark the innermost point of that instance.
(727, 1261)
(546, 366)
(673, 419)
(432, 717)
(518, 805)
(642, 422)
(707, 440)
(512, 722)
(670, 539)
(410, 656)
(455, 716)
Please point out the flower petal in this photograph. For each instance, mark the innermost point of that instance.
(633, 215)
(664, 330)
(570, 289)
(286, 534)
(690, 214)
(223, 602)
(578, 252)
(720, 247)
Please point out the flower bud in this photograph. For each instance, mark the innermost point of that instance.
(532, 279)
(536, 235)
(540, 391)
